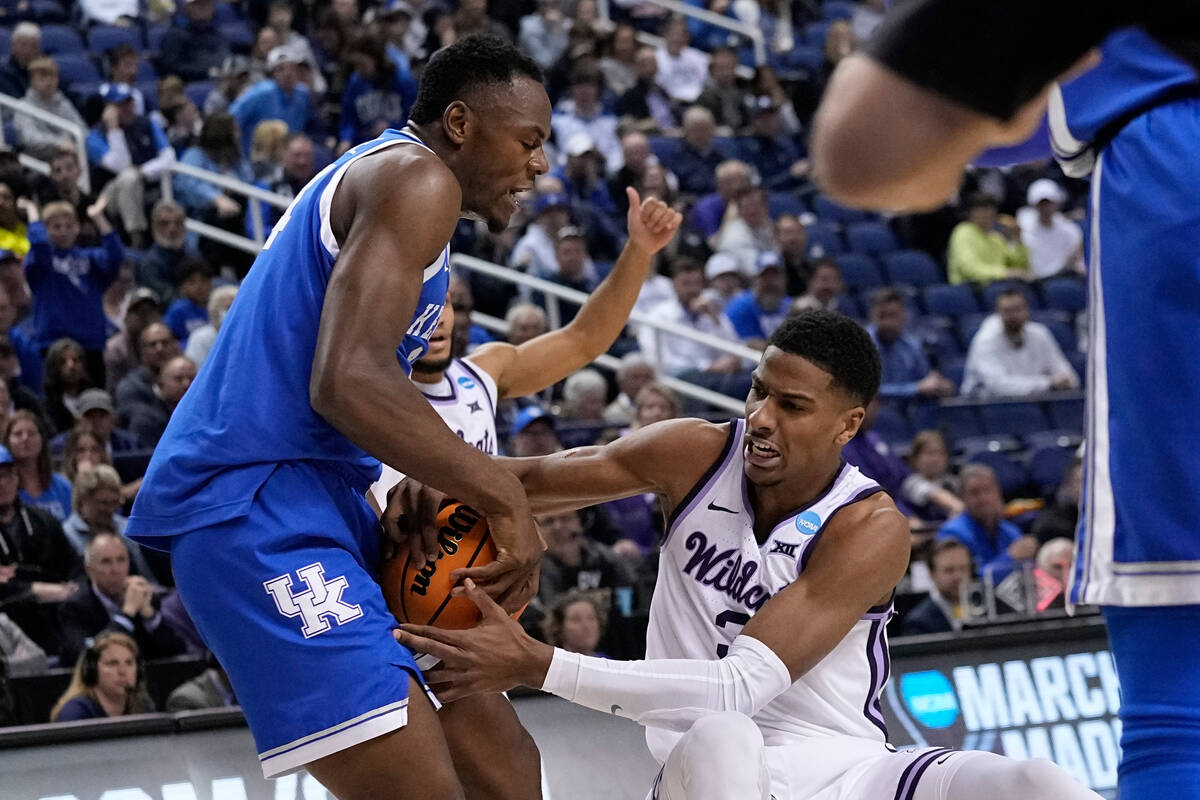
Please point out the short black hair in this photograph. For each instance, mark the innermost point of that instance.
(836, 344)
(190, 266)
(887, 294)
(465, 65)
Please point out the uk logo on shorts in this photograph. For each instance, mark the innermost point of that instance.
(316, 604)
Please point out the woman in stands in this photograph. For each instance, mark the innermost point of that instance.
(109, 681)
(64, 380)
(41, 486)
(576, 623)
(654, 403)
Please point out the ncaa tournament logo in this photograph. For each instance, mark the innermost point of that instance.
(808, 523)
(466, 382)
(930, 698)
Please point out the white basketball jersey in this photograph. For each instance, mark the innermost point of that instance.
(465, 399)
(713, 575)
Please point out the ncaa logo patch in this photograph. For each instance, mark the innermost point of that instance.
(466, 382)
(930, 698)
(808, 523)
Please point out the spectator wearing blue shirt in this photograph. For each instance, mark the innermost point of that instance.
(68, 282)
(696, 159)
(733, 180)
(758, 311)
(40, 486)
(996, 545)
(378, 95)
(190, 311)
(281, 96)
(768, 149)
(581, 174)
(906, 371)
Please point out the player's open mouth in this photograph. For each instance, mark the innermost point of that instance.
(517, 194)
(761, 454)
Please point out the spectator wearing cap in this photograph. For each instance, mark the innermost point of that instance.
(645, 102)
(767, 148)
(280, 96)
(403, 31)
(120, 357)
(281, 18)
(725, 279)
(233, 77)
(722, 95)
(906, 371)
(543, 35)
(68, 281)
(978, 252)
(148, 420)
(758, 311)
(582, 111)
(674, 355)
(1055, 243)
(378, 95)
(581, 174)
(696, 159)
(682, 70)
(26, 45)
(825, 287)
(95, 409)
(133, 149)
(534, 433)
(534, 251)
(193, 48)
(189, 311)
(14, 234)
(37, 138)
(201, 341)
(750, 233)
(1010, 356)
(158, 268)
(63, 184)
(733, 179)
(156, 345)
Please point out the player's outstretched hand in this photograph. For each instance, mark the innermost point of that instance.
(512, 579)
(410, 521)
(494, 656)
(652, 223)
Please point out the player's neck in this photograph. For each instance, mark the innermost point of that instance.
(428, 378)
(774, 503)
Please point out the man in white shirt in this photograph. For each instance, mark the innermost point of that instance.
(674, 355)
(1013, 357)
(1055, 243)
(748, 235)
(682, 70)
(582, 111)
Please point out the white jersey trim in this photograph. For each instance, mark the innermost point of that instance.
(292, 756)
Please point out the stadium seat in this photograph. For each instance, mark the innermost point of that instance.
(823, 240)
(950, 300)
(1048, 465)
(103, 38)
(850, 306)
(5, 41)
(800, 58)
(49, 11)
(968, 326)
(198, 91)
(149, 90)
(664, 148)
(76, 69)
(1065, 294)
(225, 12)
(829, 211)
(872, 238)
(1060, 328)
(954, 368)
(1015, 419)
(943, 344)
(154, 37)
(993, 290)
(837, 9)
(912, 268)
(1012, 476)
(146, 71)
(1079, 362)
(959, 422)
(1067, 415)
(239, 34)
(815, 32)
(61, 39)
(81, 91)
(784, 203)
(892, 427)
(859, 271)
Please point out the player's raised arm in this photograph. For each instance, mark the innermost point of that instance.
(547, 359)
(393, 217)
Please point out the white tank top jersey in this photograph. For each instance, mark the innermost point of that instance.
(713, 575)
(465, 399)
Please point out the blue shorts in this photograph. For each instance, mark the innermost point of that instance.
(1139, 543)
(288, 600)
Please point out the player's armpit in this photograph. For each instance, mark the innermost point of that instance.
(861, 556)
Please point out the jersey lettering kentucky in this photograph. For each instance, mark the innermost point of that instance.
(249, 408)
(713, 575)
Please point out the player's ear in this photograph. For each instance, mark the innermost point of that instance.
(851, 422)
(455, 120)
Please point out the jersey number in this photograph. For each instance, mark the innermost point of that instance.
(729, 618)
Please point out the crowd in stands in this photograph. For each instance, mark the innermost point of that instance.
(109, 304)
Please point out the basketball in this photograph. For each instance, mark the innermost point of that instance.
(422, 596)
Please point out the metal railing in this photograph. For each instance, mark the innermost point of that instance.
(751, 32)
(78, 134)
(248, 190)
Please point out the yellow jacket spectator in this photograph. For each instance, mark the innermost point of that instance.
(979, 253)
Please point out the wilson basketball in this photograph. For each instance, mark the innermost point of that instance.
(422, 596)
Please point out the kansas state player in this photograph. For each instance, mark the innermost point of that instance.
(1132, 124)
(257, 486)
(766, 647)
(464, 392)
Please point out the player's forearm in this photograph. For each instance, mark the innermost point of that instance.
(602, 317)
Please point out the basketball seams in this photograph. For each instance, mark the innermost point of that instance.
(483, 540)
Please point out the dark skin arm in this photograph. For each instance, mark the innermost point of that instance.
(356, 379)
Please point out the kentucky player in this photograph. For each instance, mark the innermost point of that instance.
(766, 648)
(257, 487)
(1131, 123)
(465, 392)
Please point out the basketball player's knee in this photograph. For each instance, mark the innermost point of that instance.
(1038, 778)
(723, 740)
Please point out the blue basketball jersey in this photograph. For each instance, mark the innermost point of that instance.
(249, 409)
(1135, 73)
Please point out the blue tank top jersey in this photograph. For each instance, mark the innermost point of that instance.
(1135, 73)
(249, 409)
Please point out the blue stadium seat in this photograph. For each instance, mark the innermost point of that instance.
(815, 32)
(225, 12)
(829, 211)
(826, 238)
(103, 38)
(943, 344)
(993, 290)
(859, 271)
(1067, 415)
(912, 268)
(1060, 327)
(76, 68)
(664, 148)
(998, 443)
(950, 300)
(801, 58)
(1012, 476)
(149, 90)
(849, 305)
(1079, 362)
(892, 427)
(154, 37)
(1015, 419)
(82, 91)
(5, 41)
(198, 91)
(954, 369)
(872, 238)
(61, 39)
(959, 422)
(146, 71)
(784, 203)
(837, 9)
(1048, 466)
(238, 33)
(1065, 294)
(49, 11)
(968, 326)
